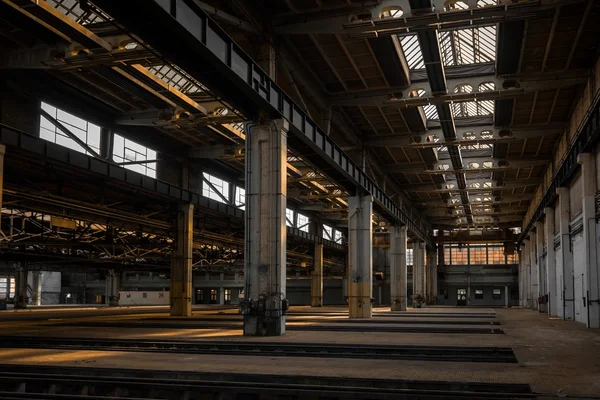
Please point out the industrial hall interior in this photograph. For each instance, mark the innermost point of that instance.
(300, 199)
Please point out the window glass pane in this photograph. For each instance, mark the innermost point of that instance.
(85, 131)
(220, 185)
(289, 217)
(477, 254)
(459, 255)
(409, 257)
(496, 255)
(240, 197)
(303, 222)
(512, 258)
(125, 150)
(338, 238)
(327, 232)
(478, 294)
(497, 294)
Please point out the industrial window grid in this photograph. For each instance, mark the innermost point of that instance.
(477, 254)
(87, 132)
(240, 197)
(125, 150)
(478, 294)
(496, 294)
(213, 294)
(227, 294)
(409, 257)
(222, 188)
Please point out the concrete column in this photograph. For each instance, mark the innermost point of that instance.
(2, 151)
(432, 275)
(506, 295)
(533, 274)
(181, 263)
(553, 297)
(360, 256)
(541, 271)
(526, 260)
(398, 272)
(316, 277)
(37, 287)
(112, 288)
(221, 296)
(591, 282)
(265, 248)
(564, 285)
(21, 295)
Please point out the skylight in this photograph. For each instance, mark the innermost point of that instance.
(468, 46)
(412, 51)
(175, 79)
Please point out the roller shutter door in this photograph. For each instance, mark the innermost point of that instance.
(578, 245)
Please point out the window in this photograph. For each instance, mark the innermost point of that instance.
(497, 294)
(447, 255)
(409, 257)
(477, 255)
(459, 255)
(468, 46)
(412, 51)
(289, 217)
(125, 150)
(199, 295)
(213, 295)
(3, 287)
(240, 197)
(302, 222)
(327, 232)
(338, 238)
(496, 255)
(217, 189)
(478, 294)
(85, 131)
(512, 258)
(12, 288)
(227, 296)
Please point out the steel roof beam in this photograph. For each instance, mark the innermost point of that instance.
(426, 19)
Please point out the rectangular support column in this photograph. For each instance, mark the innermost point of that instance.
(564, 284)
(533, 272)
(316, 277)
(553, 296)
(2, 152)
(21, 295)
(36, 278)
(360, 255)
(112, 288)
(265, 249)
(591, 283)
(398, 271)
(432, 276)
(526, 261)
(418, 269)
(181, 264)
(541, 263)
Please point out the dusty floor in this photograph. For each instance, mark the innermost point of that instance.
(555, 357)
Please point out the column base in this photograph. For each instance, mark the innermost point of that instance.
(21, 302)
(316, 302)
(360, 307)
(113, 301)
(398, 307)
(264, 326)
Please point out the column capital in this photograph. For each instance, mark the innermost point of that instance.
(548, 210)
(584, 158)
(562, 191)
(281, 124)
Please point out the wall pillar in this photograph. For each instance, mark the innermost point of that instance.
(2, 151)
(533, 274)
(360, 255)
(553, 297)
(432, 276)
(541, 270)
(591, 283)
(398, 270)
(21, 294)
(113, 284)
(419, 268)
(181, 263)
(316, 277)
(564, 283)
(265, 248)
(506, 296)
(526, 259)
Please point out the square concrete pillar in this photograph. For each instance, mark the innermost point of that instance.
(360, 256)
(398, 270)
(564, 262)
(526, 261)
(2, 151)
(112, 285)
(432, 259)
(265, 236)
(533, 272)
(316, 277)
(36, 286)
(21, 292)
(591, 283)
(541, 264)
(419, 268)
(553, 297)
(181, 263)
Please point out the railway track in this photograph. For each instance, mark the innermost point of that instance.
(326, 320)
(321, 327)
(43, 382)
(371, 352)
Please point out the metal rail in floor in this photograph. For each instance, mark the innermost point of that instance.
(17, 381)
(372, 352)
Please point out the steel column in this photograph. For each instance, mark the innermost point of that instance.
(432, 266)
(265, 248)
(398, 270)
(360, 255)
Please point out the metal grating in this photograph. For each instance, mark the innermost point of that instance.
(176, 79)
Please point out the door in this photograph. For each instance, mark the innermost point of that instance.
(199, 296)
(461, 297)
(579, 269)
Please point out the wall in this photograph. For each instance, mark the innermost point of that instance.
(148, 298)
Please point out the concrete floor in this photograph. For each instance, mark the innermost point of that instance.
(557, 358)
